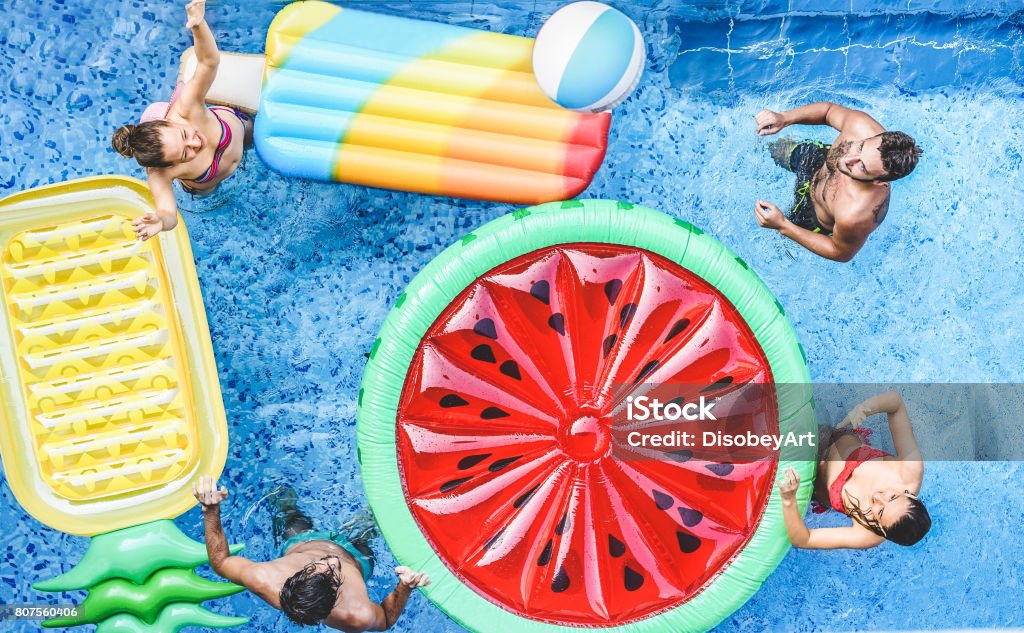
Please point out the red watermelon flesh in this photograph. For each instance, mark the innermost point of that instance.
(505, 435)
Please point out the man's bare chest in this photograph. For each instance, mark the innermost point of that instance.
(825, 187)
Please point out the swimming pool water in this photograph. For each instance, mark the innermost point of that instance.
(912, 52)
(298, 276)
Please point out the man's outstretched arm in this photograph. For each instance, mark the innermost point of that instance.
(381, 617)
(819, 113)
(840, 247)
(232, 568)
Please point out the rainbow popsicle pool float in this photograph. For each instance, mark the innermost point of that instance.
(111, 401)
(395, 103)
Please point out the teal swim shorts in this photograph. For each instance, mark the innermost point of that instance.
(335, 537)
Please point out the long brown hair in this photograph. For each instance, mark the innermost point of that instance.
(141, 142)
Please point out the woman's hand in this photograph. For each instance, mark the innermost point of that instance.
(147, 226)
(855, 418)
(769, 122)
(206, 492)
(789, 483)
(196, 11)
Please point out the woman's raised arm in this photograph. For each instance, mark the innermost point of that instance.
(907, 450)
(193, 93)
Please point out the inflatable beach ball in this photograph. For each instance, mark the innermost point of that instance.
(588, 57)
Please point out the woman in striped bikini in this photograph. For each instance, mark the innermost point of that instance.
(878, 491)
(196, 144)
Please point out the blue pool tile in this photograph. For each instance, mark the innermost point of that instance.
(825, 31)
(694, 34)
(874, 30)
(754, 70)
(871, 66)
(955, 6)
(818, 7)
(754, 34)
(701, 70)
(979, 68)
(818, 66)
(761, 7)
(924, 67)
(934, 28)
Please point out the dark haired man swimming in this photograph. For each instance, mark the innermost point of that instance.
(842, 190)
(320, 577)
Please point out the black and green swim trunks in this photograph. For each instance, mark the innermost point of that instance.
(803, 158)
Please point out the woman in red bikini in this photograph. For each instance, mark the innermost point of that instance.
(199, 145)
(878, 491)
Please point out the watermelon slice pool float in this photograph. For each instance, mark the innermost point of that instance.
(490, 415)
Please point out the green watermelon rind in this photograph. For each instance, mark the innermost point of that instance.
(513, 235)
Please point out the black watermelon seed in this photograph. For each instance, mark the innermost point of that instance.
(557, 323)
(609, 343)
(493, 413)
(615, 547)
(494, 539)
(541, 291)
(720, 469)
(676, 330)
(511, 369)
(611, 290)
(690, 516)
(688, 543)
(560, 582)
(453, 484)
(485, 327)
(472, 460)
(681, 455)
(483, 353)
(502, 463)
(452, 400)
(662, 500)
(647, 371)
(518, 503)
(626, 314)
(718, 384)
(560, 528)
(545, 555)
(633, 580)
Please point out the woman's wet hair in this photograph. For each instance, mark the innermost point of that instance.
(851, 506)
(899, 155)
(912, 526)
(907, 530)
(141, 142)
(309, 596)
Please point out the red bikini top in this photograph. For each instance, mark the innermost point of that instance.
(856, 457)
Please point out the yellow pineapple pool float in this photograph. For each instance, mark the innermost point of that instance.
(111, 402)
